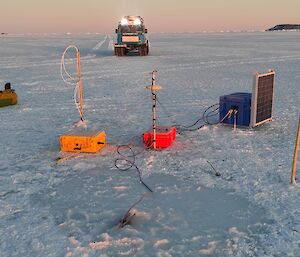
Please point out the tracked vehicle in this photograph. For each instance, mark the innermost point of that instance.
(131, 37)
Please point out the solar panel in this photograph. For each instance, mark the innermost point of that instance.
(262, 98)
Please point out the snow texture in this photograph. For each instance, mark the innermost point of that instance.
(72, 208)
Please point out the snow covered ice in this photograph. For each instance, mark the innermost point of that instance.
(72, 208)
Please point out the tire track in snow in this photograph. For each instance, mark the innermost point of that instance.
(104, 47)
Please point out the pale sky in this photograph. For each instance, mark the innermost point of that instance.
(38, 16)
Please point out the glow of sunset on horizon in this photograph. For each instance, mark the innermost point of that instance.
(59, 16)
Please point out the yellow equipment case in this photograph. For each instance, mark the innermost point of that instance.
(83, 141)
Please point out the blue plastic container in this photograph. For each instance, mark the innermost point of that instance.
(237, 101)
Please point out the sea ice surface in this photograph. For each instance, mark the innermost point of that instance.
(72, 208)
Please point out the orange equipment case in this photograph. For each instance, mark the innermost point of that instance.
(83, 141)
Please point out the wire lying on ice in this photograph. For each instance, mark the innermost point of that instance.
(129, 161)
(126, 219)
(218, 174)
(125, 160)
(209, 112)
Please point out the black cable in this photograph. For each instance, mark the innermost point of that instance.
(218, 174)
(211, 114)
(130, 163)
(128, 215)
(204, 115)
(204, 118)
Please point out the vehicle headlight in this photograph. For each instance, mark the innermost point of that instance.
(137, 21)
(124, 21)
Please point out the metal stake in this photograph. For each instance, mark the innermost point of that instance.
(294, 169)
(153, 108)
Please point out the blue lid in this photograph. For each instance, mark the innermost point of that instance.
(238, 97)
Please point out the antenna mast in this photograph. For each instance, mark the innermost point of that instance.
(153, 89)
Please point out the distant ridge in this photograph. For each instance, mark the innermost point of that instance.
(285, 27)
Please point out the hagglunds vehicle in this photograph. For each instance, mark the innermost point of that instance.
(131, 37)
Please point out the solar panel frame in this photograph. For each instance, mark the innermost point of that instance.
(262, 98)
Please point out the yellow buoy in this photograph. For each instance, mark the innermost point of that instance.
(8, 96)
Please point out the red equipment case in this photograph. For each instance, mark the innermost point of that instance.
(164, 137)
